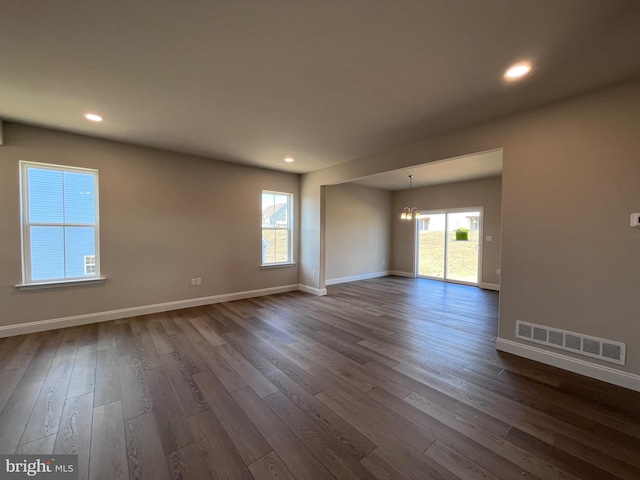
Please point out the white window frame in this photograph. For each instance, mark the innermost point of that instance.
(289, 229)
(27, 281)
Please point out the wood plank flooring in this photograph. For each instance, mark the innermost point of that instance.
(389, 378)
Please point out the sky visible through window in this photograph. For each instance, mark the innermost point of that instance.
(272, 199)
(456, 220)
(62, 218)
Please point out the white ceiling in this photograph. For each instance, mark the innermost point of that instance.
(468, 167)
(323, 81)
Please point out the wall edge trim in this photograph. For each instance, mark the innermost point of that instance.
(575, 365)
(354, 278)
(313, 290)
(490, 286)
(97, 317)
(399, 273)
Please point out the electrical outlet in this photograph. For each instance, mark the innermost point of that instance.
(198, 281)
(498, 271)
(314, 274)
(193, 282)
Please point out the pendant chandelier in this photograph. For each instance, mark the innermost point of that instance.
(410, 212)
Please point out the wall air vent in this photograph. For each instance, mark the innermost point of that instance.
(594, 347)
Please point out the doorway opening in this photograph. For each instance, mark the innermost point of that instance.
(448, 245)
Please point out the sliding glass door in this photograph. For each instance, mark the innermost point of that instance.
(431, 245)
(448, 245)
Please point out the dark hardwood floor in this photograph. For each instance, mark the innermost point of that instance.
(389, 378)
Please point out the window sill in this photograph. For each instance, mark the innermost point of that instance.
(266, 266)
(61, 283)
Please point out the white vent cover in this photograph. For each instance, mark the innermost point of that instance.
(607, 350)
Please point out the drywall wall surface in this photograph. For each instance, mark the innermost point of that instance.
(569, 257)
(312, 229)
(164, 219)
(485, 192)
(570, 181)
(358, 231)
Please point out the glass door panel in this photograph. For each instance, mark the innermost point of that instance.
(462, 246)
(431, 246)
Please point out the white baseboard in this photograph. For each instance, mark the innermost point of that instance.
(490, 286)
(575, 365)
(355, 278)
(398, 273)
(51, 324)
(312, 290)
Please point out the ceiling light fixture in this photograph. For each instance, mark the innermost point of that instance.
(410, 213)
(93, 117)
(288, 160)
(517, 71)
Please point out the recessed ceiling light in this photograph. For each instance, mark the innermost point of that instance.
(93, 117)
(288, 159)
(517, 71)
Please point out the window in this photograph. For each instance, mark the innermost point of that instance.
(277, 228)
(59, 223)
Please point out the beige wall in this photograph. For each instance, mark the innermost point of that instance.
(570, 182)
(358, 231)
(164, 218)
(485, 192)
(312, 229)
